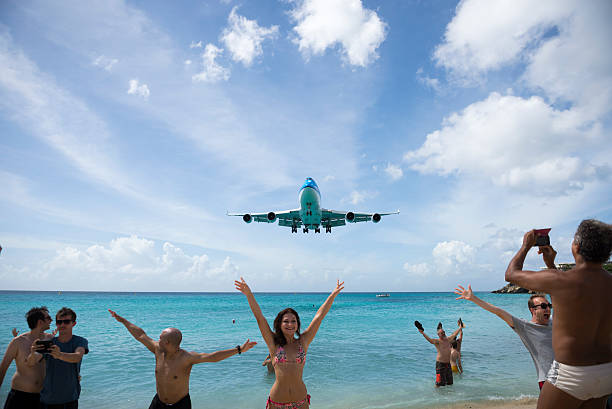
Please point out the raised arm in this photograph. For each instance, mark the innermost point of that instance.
(431, 341)
(264, 327)
(544, 280)
(453, 336)
(137, 332)
(467, 294)
(198, 358)
(308, 335)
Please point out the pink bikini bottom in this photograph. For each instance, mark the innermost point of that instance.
(270, 404)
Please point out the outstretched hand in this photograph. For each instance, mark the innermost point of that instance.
(465, 294)
(14, 332)
(339, 287)
(242, 286)
(116, 316)
(247, 345)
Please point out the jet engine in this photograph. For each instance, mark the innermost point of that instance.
(247, 218)
(350, 217)
(271, 217)
(375, 217)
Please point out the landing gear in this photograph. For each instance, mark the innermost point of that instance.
(305, 230)
(327, 229)
(317, 230)
(293, 229)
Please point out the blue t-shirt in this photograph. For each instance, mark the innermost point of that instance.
(62, 379)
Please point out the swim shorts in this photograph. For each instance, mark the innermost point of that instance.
(22, 400)
(444, 374)
(582, 382)
(184, 403)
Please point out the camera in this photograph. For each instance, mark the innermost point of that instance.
(542, 238)
(46, 344)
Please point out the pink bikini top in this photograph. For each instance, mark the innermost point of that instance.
(281, 355)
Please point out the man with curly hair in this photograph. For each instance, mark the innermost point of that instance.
(581, 374)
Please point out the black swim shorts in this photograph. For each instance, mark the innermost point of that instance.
(444, 374)
(184, 403)
(22, 400)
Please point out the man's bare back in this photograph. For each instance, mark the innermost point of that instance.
(583, 304)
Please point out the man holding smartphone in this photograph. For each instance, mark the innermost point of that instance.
(62, 386)
(28, 379)
(581, 374)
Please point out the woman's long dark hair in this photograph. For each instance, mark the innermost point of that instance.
(279, 338)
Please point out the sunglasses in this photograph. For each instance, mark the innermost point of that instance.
(543, 306)
(59, 322)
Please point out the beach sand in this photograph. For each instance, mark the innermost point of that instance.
(526, 403)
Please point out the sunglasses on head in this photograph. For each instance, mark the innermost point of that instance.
(58, 322)
(543, 306)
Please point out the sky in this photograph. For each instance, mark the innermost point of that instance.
(129, 128)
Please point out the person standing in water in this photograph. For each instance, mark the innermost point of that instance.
(173, 364)
(288, 348)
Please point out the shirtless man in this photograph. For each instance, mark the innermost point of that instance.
(28, 379)
(173, 364)
(581, 375)
(444, 373)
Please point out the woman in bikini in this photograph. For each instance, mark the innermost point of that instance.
(288, 349)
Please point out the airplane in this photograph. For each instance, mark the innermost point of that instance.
(310, 214)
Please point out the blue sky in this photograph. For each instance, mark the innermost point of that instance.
(129, 128)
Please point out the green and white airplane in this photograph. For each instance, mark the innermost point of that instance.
(310, 214)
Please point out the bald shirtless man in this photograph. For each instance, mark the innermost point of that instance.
(444, 373)
(173, 364)
(581, 374)
(28, 379)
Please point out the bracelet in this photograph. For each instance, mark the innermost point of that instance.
(238, 349)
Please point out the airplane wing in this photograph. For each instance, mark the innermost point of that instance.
(286, 218)
(335, 217)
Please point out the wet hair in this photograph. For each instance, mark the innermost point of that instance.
(66, 311)
(279, 338)
(35, 314)
(594, 239)
(530, 302)
(455, 344)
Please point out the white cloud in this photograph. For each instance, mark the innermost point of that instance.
(485, 34)
(562, 43)
(357, 197)
(394, 171)
(449, 257)
(243, 38)
(105, 62)
(421, 269)
(323, 24)
(135, 258)
(213, 72)
(136, 88)
(432, 83)
(195, 45)
(522, 144)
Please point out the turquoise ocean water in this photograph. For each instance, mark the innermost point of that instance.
(367, 354)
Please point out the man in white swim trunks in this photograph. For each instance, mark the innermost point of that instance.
(581, 374)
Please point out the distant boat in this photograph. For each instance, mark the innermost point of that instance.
(383, 295)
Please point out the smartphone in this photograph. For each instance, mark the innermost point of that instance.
(542, 238)
(46, 344)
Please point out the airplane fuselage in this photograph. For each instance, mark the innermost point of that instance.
(310, 205)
